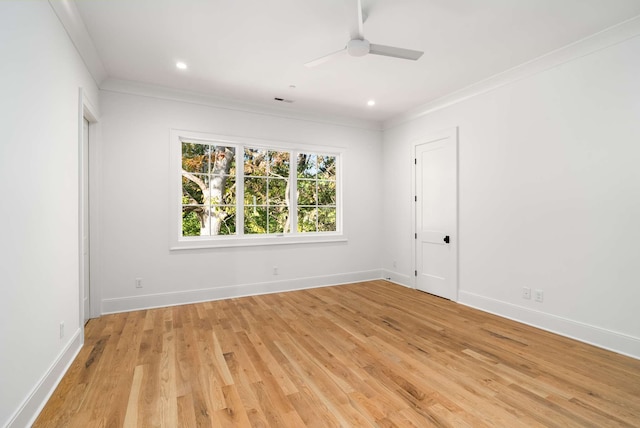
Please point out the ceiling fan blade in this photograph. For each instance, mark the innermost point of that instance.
(326, 58)
(356, 31)
(394, 52)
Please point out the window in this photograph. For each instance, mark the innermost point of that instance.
(246, 192)
(266, 191)
(208, 190)
(316, 193)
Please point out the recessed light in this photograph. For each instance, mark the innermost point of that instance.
(181, 65)
(371, 103)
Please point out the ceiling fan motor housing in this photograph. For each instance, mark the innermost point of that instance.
(358, 47)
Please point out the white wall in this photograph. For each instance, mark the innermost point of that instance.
(549, 197)
(135, 216)
(40, 75)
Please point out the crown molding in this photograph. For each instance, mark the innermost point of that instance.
(171, 94)
(606, 38)
(69, 16)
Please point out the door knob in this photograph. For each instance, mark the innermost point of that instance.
(446, 239)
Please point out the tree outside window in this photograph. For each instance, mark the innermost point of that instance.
(266, 191)
(211, 183)
(208, 190)
(316, 181)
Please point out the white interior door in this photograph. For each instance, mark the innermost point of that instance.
(85, 268)
(437, 215)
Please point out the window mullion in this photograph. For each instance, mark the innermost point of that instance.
(293, 192)
(266, 201)
(240, 190)
(317, 202)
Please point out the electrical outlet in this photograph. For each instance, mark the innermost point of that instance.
(395, 264)
(138, 282)
(526, 293)
(539, 295)
(61, 329)
(275, 270)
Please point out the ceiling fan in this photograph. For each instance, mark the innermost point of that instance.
(359, 46)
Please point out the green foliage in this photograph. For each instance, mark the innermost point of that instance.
(255, 220)
(327, 219)
(190, 220)
(266, 191)
(190, 224)
(228, 216)
(326, 192)
(316, 219)
(316, 166)
(209, 190)
(307, 219)
(196, 157)
(316, 193)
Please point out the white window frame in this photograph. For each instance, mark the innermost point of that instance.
(179, 242)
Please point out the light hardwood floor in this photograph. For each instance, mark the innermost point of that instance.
(366, 354)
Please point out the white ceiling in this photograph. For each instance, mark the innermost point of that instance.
(253, 50)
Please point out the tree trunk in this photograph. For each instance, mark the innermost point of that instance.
(212, 216)
(222, 161)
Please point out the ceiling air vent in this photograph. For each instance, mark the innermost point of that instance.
(283, 100)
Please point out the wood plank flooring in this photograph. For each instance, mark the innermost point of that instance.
(365, 354)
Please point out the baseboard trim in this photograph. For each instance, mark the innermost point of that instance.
(31, 407)
(397, 278)
(126, 304)
(607, 339)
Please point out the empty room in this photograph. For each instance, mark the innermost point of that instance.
(293, 213)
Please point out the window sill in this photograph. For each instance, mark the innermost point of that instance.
(197, 243)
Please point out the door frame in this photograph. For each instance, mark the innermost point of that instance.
(446, 133)
(87, 110)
